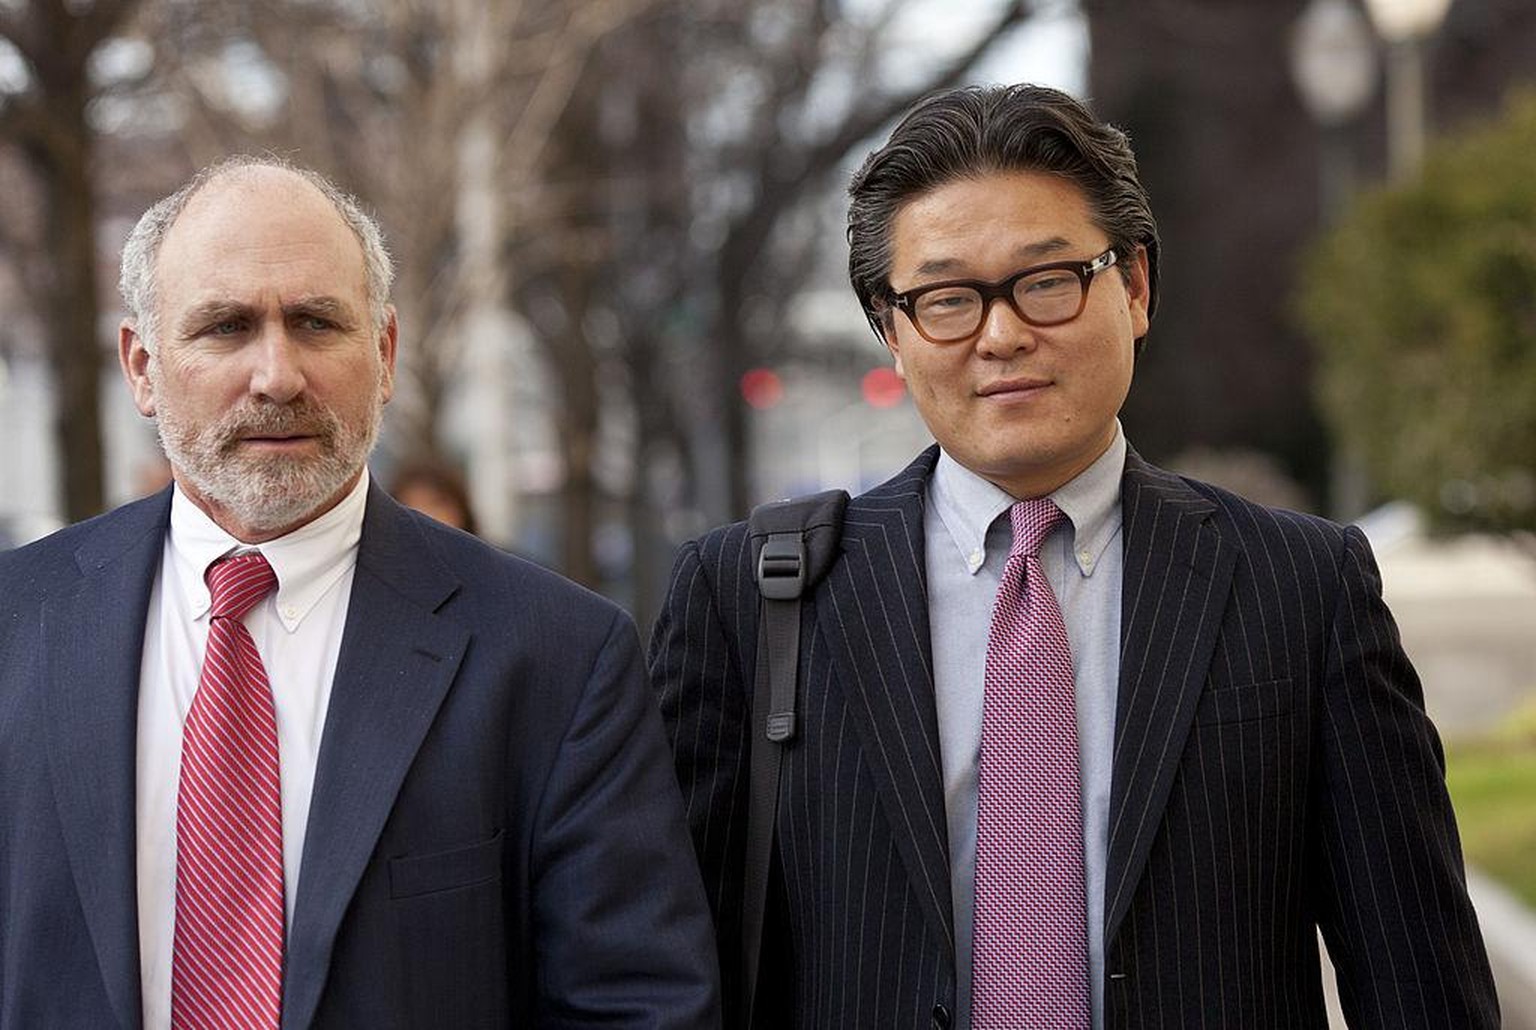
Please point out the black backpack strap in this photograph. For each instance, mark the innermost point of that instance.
(795, 542)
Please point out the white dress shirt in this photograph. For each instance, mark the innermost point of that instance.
(967, 537)
(297, 630)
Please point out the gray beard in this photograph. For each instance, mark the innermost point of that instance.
(266, 493)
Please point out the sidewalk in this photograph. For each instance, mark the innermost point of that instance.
(1509, 931)
(1466, 608)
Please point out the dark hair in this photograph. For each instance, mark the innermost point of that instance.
(977, 130)
(443, 480)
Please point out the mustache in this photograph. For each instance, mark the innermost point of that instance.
(300, 418)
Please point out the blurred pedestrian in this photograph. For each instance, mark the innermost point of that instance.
(1082, 743)
(438, 490)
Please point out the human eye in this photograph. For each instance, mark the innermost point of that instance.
(1048, 282)
(948, 301)
(318, 318)
(224, 328)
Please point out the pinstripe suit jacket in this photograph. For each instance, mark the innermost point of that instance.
(1273, 772)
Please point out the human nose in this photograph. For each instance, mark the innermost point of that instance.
(278, 373)
(1003, 330)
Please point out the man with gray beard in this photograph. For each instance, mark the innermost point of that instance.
(276, 751)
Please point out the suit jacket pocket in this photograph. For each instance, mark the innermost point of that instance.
(1244, 702)
(466, 866)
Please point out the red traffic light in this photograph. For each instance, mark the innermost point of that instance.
(762, 388)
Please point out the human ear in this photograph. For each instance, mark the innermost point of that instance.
(134, 356)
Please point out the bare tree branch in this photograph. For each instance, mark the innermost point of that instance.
(572, 48)
(780, 186)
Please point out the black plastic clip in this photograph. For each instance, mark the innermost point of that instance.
(781, 567)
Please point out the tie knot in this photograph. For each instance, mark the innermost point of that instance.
(1032, 520)
(237, 583)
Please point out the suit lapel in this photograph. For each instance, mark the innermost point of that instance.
(873, 613)
(94, 640)
(398, 658)
(1178, 573)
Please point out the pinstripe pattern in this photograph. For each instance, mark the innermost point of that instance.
(1273, 771)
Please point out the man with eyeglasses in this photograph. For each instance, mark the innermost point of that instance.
(1083, 743)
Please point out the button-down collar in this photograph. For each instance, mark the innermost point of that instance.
(308, 561)
(968, 504)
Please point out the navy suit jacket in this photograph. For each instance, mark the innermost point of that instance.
(1273, 771)
(495, 835)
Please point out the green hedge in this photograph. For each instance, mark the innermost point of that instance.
(1421, 305)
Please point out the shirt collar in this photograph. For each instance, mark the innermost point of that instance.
(967, 504)
(308, 561)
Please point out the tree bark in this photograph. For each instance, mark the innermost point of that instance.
(71, 309)
(56, 40)
(578, 424)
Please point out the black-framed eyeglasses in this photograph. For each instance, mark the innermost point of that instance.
(1044, 295)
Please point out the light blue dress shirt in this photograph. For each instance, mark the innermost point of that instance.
(967, 541)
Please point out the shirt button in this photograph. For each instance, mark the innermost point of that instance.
(290, 612)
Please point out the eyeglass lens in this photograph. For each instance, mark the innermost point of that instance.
(1044, 298)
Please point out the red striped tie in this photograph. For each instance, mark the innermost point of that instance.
(1029, 967)
(227, 966)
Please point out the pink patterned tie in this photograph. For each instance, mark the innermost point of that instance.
(1029, 963)
(227, 965)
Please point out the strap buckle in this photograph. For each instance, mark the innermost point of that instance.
(781, 567)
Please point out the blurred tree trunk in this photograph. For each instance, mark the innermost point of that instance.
(70, 307)
(1231, 160)
(562, 259)
(650, 218)
(48, 124)
(577, 424)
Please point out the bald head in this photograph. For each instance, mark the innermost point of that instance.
(139, 281)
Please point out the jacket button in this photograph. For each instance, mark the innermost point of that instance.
(940, 1017)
